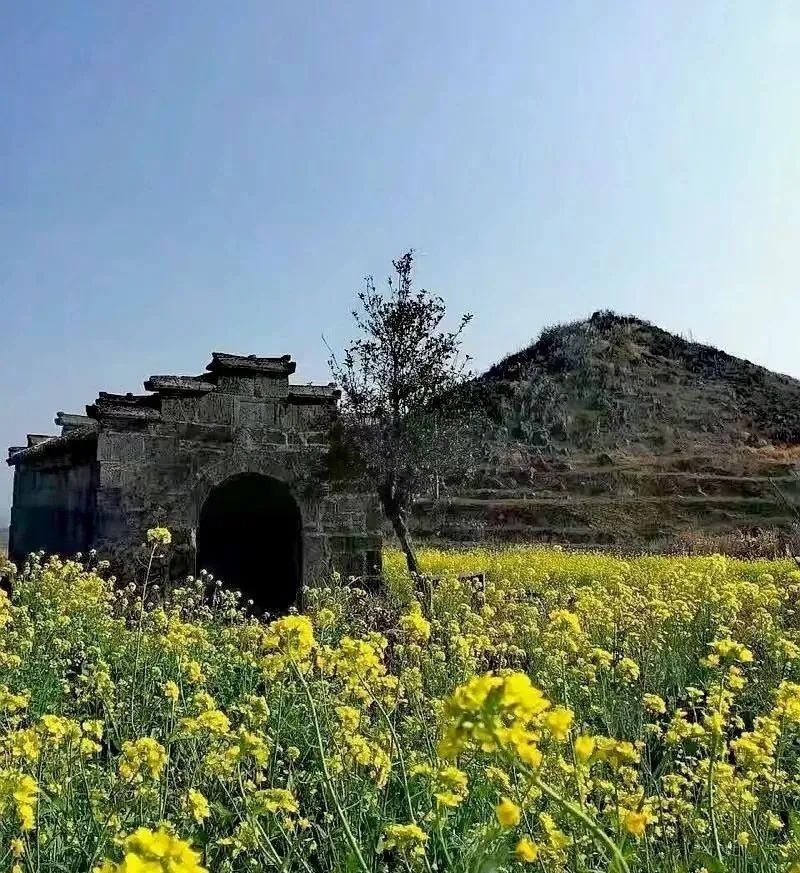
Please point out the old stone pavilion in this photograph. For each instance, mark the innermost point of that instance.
(234, 462)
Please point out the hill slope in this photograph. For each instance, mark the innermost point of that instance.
(614, 431)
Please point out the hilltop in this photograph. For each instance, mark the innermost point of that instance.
(616, 380)
(613, 431)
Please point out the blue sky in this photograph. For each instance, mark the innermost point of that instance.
(181, 177)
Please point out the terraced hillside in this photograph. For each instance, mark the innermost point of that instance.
(611, 431)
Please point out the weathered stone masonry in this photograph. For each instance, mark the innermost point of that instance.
(137, 461)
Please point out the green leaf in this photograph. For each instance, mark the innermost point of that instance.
(712, 864)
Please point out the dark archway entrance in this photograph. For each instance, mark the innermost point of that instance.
(250, 537)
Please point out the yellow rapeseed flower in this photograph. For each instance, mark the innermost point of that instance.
(147, 851)
(414, 625)
(635, 821)
(526, 850)
(728, 650)
(159, 536)
(655, 704)
(197, 805)
(212, 721)
(141, 759)
(584, 748)
(628, 669)
(18, 797)
(408, 839)
(557, 722)
(507, 813)
(275, 800)
(193, 673)
(11, 702)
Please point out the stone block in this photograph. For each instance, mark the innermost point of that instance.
(352, 521)
(267, 436)
(270, 386)
(252, 413)
(356, 555)
(109, 499)
(339, 504)
(203, 458)
(279, 411)
(238, 384)
(122, 447)
(315, 557)
(245, 440)
(213, 408)
(308, 438)
(373, 516)
(119, 526)
(176, 409)
(304, 417)
(110, 474)
(159, 449)
(165, 477)
(204, 433)
(294, 418)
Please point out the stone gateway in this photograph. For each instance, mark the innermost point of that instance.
(234, 462)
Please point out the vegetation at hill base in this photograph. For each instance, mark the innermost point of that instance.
(574, 712)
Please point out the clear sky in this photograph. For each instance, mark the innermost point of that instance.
(187, 176)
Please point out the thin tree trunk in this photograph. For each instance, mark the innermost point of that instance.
(399, 525)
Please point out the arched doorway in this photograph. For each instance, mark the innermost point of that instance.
(250, 537)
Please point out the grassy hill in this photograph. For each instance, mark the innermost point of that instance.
(612, 431)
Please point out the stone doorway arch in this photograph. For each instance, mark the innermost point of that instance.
(249, 535)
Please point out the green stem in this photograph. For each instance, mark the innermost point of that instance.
(326, 773)
(400, 757)
(139, 629)
(401, 761)
(710, 786)
(594, 829)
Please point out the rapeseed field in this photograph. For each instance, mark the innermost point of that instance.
(574, 712)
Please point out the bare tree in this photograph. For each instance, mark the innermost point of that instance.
(403, 395)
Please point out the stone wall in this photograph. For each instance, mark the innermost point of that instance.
(54, 502)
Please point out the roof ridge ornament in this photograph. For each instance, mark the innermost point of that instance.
(178, 385)
(224, 362)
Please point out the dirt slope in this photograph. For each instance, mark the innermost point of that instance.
(611, 431)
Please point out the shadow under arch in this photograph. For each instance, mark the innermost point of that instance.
(249, 535)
